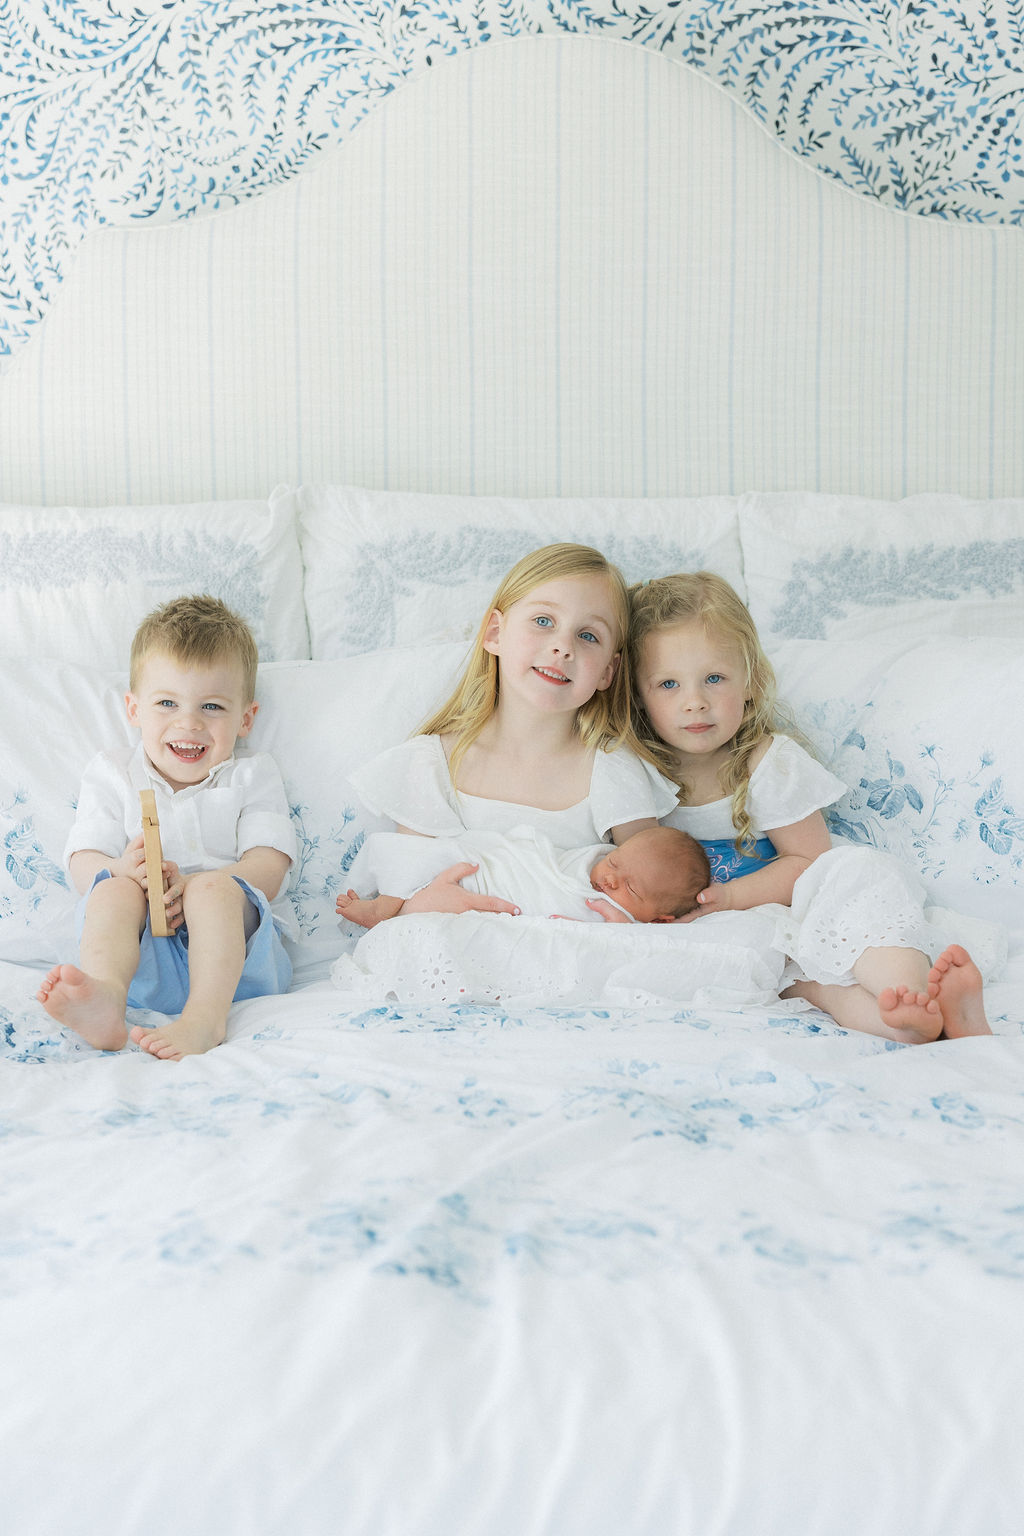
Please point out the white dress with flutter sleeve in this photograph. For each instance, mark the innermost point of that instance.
(411, 784)
(850, 899)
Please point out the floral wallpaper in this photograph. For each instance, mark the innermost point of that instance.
(117, 110)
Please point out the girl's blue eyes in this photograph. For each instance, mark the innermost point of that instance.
(712, 677)
(543, 622)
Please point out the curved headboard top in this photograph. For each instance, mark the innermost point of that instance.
(549, 267)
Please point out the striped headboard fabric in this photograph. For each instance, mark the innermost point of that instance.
(553, 266)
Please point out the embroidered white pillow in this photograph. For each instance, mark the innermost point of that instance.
(835, 567)
(933, 757)
(398, 568)
(75, 581)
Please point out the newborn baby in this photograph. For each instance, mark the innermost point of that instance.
(653, 877)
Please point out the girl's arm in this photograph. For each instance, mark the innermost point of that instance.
(619, 834)
(797, 847)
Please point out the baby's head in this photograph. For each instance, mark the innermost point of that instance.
(192, 682)
(655, 874)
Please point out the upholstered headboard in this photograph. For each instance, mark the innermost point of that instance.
(553, 266)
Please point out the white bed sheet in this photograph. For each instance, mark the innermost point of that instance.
(570, 1272)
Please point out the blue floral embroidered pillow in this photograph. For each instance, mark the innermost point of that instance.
(926, 736)
(395, 568)
(75, 582)
(836, 567)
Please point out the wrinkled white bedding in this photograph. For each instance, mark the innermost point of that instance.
(459, 1270)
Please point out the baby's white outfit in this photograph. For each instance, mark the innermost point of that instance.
(523, 865)
(851, 898)
(485, 957)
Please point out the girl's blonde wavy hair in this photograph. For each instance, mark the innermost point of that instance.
(675, 600)
(604, 721)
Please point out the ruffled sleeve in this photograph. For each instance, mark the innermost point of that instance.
(411, 784)
(624, 788)
(788, 784)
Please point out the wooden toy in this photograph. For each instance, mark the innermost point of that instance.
(158, 923)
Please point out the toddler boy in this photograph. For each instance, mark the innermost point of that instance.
(226, 835)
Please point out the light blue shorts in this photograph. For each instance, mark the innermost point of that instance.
(161, 981)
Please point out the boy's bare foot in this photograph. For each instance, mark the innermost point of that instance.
(363, 911)
(190, 1035)
(914, 1017)
(93, 1009)
(955, 983)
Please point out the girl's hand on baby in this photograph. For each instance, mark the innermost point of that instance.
(445, 894)
(713, 898)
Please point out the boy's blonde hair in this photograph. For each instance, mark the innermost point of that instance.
(675, 600)
(604, 721)
(195, 631)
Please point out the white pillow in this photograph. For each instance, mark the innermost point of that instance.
(390, 568)
(75, 582)
(319, 721)
(836, 567)
(57, 716)
(925, 736)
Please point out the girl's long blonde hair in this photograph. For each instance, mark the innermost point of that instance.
(674, 600)
(604, 721)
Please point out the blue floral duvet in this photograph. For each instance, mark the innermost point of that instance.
(569, 1271)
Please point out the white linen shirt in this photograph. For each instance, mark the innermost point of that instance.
(241, 804)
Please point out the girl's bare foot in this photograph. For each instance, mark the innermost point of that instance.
(914, 1017)
(954, 981)
(190, 1035)
(93, 1009)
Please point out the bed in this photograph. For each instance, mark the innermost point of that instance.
(632, 1264)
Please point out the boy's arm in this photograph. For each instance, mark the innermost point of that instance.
(86, 863)
(797, 847)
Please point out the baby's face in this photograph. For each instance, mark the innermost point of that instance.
(190, 717)
(625, 874)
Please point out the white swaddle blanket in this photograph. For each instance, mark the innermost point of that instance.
(725, 960)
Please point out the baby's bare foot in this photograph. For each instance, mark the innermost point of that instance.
(190, 1035)
(913, 1017)
(365, 911)
(955, 983)
(93, 1009)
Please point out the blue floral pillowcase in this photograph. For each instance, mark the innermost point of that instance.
(925, 735)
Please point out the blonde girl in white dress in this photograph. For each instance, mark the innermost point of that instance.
(864, 945)
(536, 732)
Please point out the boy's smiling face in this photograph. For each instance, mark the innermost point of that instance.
(190, 717)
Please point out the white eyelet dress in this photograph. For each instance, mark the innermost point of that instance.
(851, 898)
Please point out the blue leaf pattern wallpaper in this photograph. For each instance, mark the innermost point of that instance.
(132, 109)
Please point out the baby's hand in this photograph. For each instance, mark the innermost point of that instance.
(605, 910)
